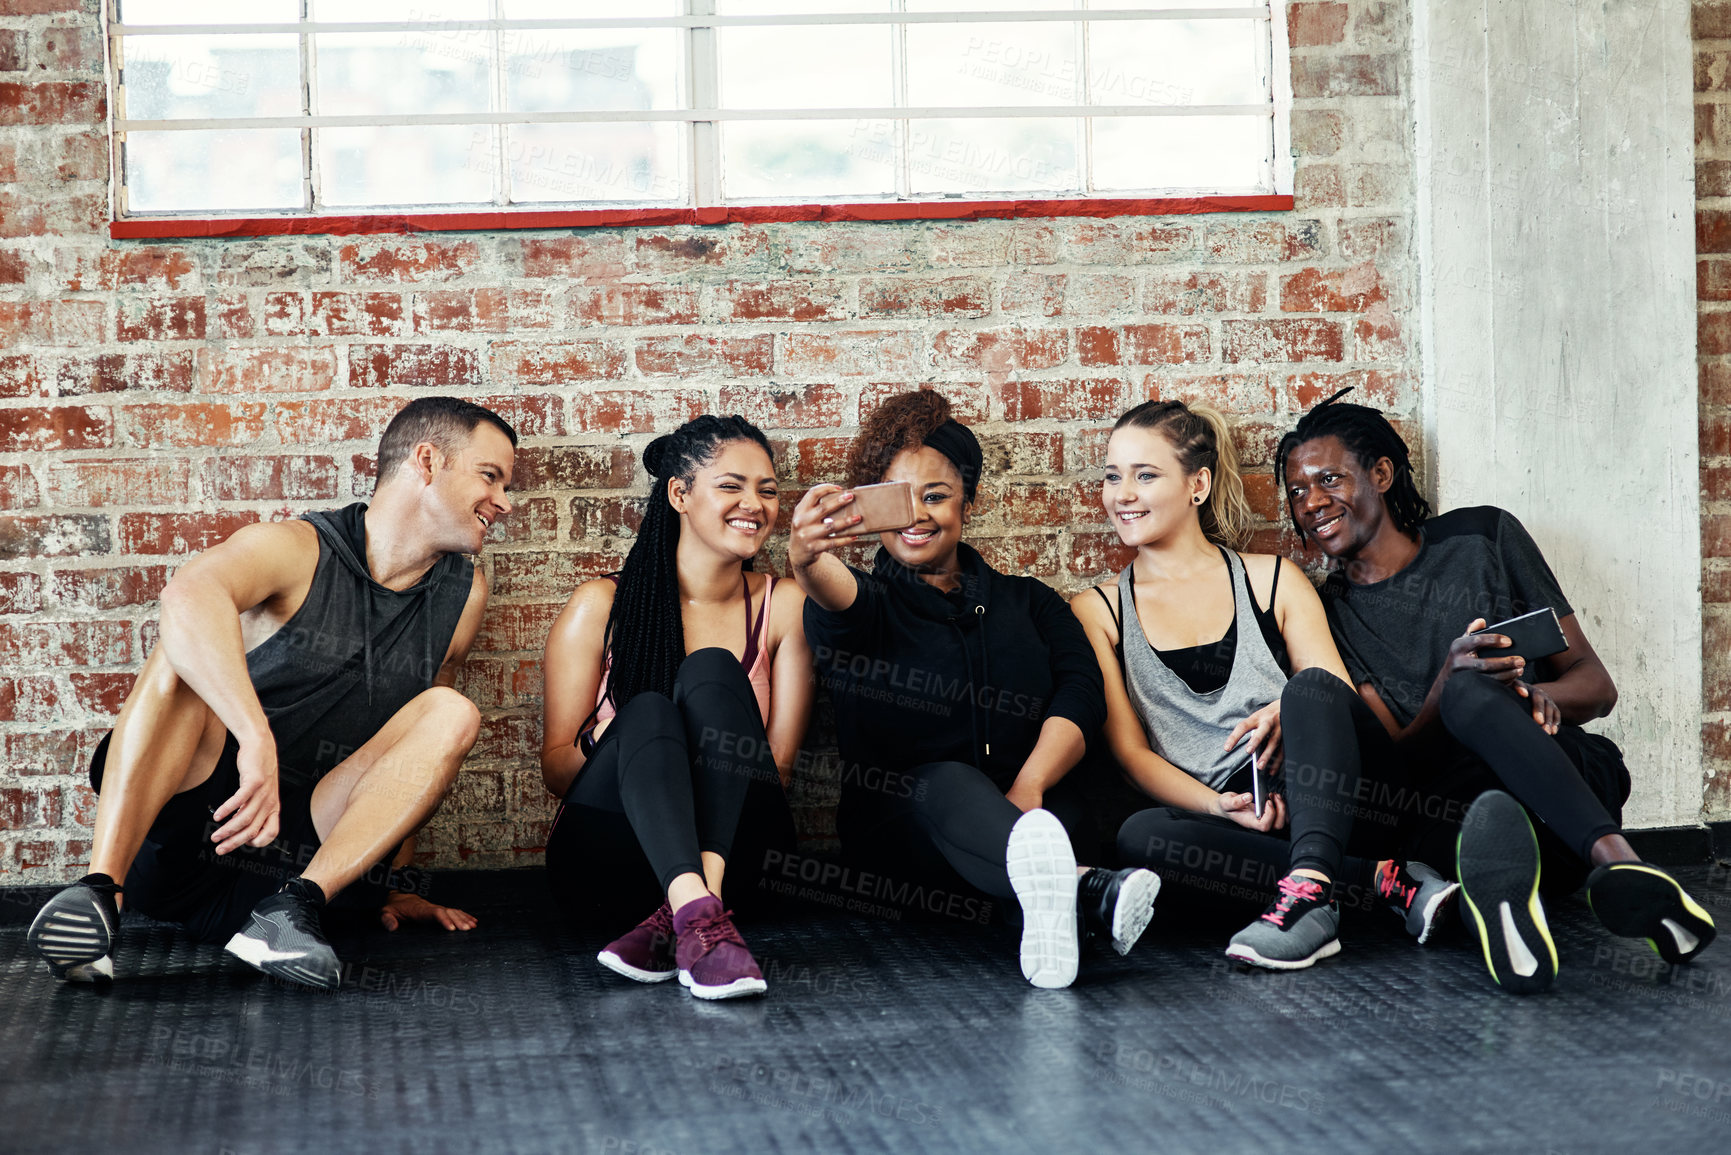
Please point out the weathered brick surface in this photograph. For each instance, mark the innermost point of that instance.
(1712, 30)
(155, 396)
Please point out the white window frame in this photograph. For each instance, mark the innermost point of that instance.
(703, 177)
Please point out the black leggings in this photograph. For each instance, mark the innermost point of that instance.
(670, 779)
(1338, 812)
(1409, 805)
(950, 823)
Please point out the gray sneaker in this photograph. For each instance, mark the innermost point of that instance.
(1420, 895)
(1298, 928)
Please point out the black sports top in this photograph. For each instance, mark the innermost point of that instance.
(355, 652)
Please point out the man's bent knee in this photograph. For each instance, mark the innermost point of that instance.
(455, 717)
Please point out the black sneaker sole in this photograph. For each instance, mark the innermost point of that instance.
(1497, 860)
(72, 931)
(1639, 901)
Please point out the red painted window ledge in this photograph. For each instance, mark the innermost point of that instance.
(431, 222)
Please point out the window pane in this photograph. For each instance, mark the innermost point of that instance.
(988, 156)
(1192, 153)
(989, 65)
(371, 11)
(1178, 62)
(549, 71)
(1104, 5)
(808, 158)
(213, 171)
(991, 5)
(388, 73)
(209, 12)
(417, 165)
(191, 77)
(587, 9)
(596, 162)
(846, 66)
(797, 7)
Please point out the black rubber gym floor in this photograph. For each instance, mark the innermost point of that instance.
(873, 1037)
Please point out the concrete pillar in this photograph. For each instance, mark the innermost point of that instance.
(1557, 302)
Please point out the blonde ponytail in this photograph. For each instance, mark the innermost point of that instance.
(1226, 514)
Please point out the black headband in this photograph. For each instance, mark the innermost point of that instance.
(958, 443)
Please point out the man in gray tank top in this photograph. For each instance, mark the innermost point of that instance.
(296, 723)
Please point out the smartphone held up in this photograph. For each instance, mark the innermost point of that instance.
(882, 508)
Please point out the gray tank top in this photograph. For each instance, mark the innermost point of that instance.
(1186, 728)
(355, 652)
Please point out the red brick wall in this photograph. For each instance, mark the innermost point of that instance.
(1712, 29)
(155, 396)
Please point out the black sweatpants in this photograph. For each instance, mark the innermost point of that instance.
(1574, 783)
(670, 779)
(1409, 805)
(942, 833)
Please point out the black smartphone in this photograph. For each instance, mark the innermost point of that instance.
(1531, 636)
(1260, 786)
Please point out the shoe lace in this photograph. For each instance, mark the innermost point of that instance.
(1293, 890)
(661, 922)
(302, 917)
(660, 928)
(713, 930)
(1391, 884)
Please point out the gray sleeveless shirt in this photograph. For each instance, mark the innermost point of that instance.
(355, 652)
(1186, 728)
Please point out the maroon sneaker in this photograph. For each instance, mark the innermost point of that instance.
(644, 953)
(713, 961)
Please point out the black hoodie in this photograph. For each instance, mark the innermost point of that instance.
(918, 675)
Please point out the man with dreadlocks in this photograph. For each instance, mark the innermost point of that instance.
(678, 692)
(1408, 602)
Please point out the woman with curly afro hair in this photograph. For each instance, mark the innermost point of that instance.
(963, 697)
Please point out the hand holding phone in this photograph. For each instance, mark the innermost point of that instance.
(1531, 636)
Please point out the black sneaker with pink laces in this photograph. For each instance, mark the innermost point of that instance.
(1420, 895)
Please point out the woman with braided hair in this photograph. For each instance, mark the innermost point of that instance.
(677, 694)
